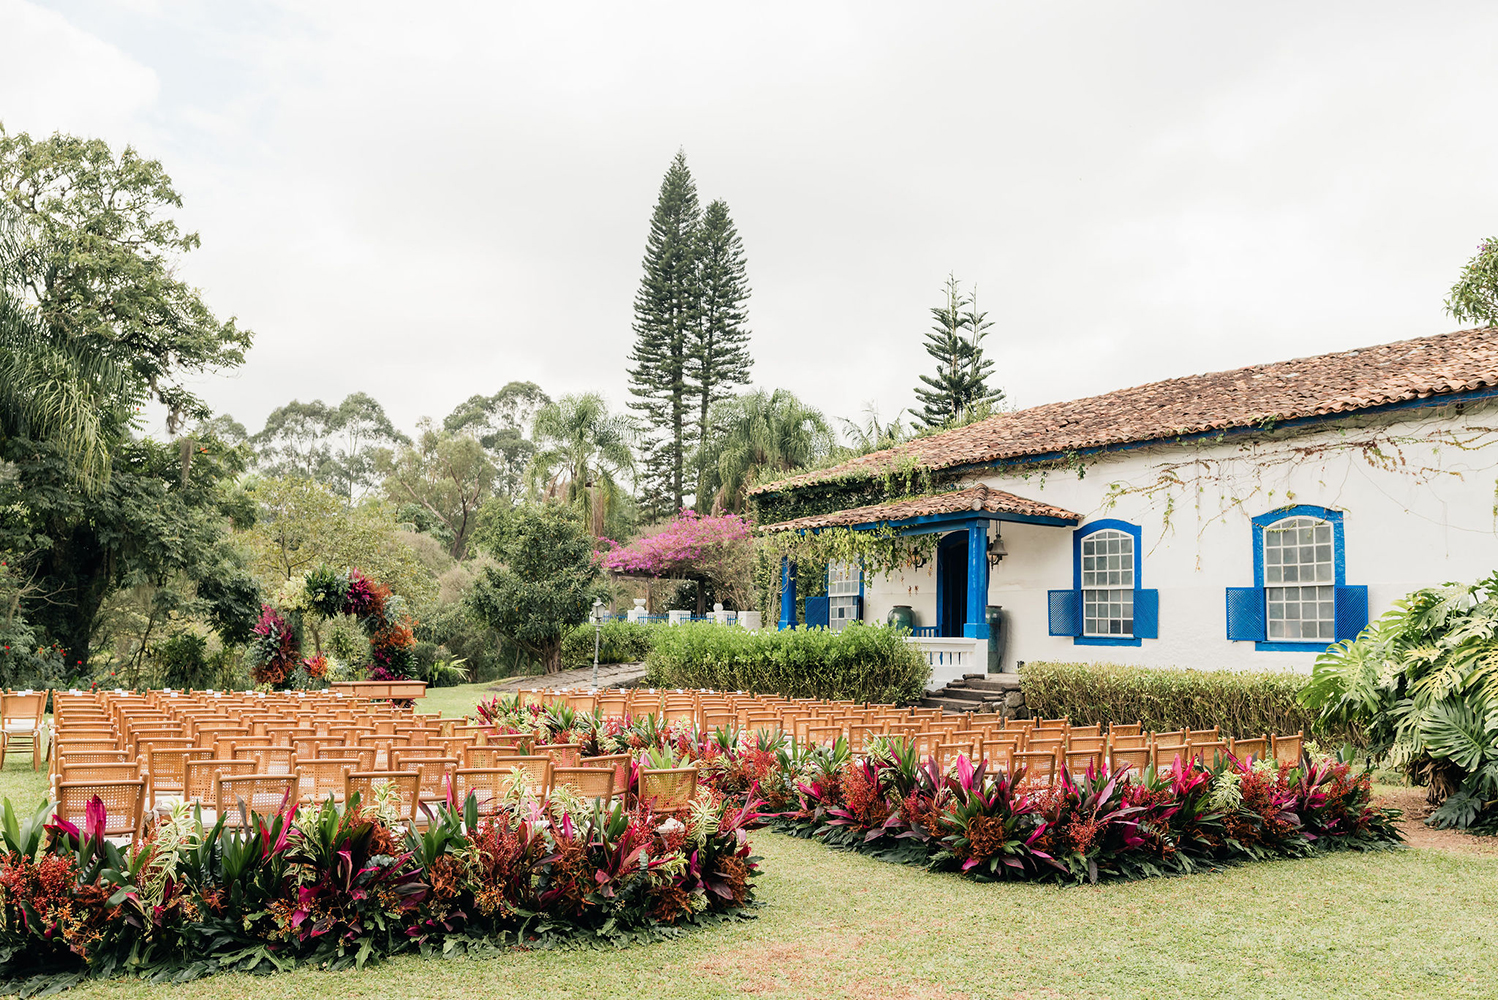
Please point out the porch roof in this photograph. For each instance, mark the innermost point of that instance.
(975, 501)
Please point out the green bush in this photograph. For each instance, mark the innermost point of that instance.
(1244, 704)
(866, 663)
(621, 642)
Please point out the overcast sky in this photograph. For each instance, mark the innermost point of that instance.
(426, 200)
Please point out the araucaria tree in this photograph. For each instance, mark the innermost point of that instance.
(959, 389)
(691, 338)
(1474, 297)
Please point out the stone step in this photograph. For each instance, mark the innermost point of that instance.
(989, 682)
(953, 705)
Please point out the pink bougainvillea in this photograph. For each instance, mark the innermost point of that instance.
(688, 546)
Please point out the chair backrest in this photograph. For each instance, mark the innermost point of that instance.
(124, 804)
(433, 771)
(198, 775)
(1076, 731)
(17, 709)
(125, 770)
(365, 784)
(168, 766)
(1203, 735)
(1165, 755)
(1209, 751)
(561, 754)
(668, 788)
(364, 755)
(1136, 758)
(262, 794)
(1126, 729)
(619, 763)
(1126, 742)
(1080, 744)
(998, 753)
(323, 776)
(268, 759)
(587, 782)
(1254, 749)
(1287, 749)
(1078, 761)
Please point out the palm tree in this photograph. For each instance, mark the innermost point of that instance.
(583, 451)
(764, 435)
(51, 389)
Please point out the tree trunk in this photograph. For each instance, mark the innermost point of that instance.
(701, 599)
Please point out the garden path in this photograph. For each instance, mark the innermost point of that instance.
(609, 675)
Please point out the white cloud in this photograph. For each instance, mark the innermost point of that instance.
(56, 77)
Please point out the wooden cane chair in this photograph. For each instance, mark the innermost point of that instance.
(533, 773)
(124, 804)
(1287, 749)
(257, 794)
(364, 755)
(947, 754)
(668, 789)
(1167, 756)
(167, 767)
(1075, 731)
(434, 771)
(999, 753)
(1126, 729)
(1078, 762)
(1209, 752)
(1204, 735)
(487, 785)
(1039, 766)
(1084, 744)
(586, 782)
(1126, 742)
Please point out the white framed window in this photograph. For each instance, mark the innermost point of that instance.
(1108, 583)
(844, 589)
(1300, 580)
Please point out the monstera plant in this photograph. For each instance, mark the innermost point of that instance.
(1422, 680)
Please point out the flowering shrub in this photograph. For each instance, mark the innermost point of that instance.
(690, 545)
(337, 887)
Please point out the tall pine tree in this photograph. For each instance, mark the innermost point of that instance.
(665, 320)
(959, 389)
(719, 358)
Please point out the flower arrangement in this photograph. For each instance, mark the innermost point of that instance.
(274, 654)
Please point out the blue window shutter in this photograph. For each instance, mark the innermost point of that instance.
(816, 612)
(1065, 612)
(1246, 614)
(1351, 611)
(1146, 614)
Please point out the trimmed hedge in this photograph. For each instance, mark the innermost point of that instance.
(865, 663)
(621, 642)
(1244, 704)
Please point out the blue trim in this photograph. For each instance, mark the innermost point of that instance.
(1432, 402)
(1258, 525)
(1291, 647)
(787, 593)
(1339, 551)
(1091, 527)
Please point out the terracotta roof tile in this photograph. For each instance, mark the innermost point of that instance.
(1344, 382)
(955, 502)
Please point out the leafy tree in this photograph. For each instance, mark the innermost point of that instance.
(666, 317)
(157, 523)
(719, 356)
(545, 580)
(764, 435)
(960, 385)
(294, 440)
(223, 427)
(584, 451)
(448, 475)
(500, 423)
(337, 446)
(1474, 297)
(53, 388)
(301, 525)
(102, 271)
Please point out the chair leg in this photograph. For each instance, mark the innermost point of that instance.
(4, 740)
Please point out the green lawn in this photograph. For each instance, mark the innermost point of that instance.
(1414, 923)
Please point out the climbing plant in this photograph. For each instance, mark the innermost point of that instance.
(274, 655)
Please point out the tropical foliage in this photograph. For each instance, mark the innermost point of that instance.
(1474, 297)
(584, 452)
(1423, 681)
(761, 436)
(341, 887)
(274, 654)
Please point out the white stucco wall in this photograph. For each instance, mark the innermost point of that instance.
(1417, 495)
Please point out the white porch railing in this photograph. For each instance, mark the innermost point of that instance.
(951, 657)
